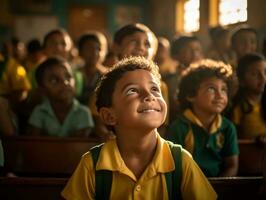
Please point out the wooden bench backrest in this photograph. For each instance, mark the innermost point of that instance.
(250, 157)
(44, 155)
(50, 188)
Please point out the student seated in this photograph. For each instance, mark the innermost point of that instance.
(247, 111)
(137, 162)
(138, 40)
(201, 129)
(60, 114)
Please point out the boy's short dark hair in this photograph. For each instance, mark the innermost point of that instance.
(34, 46)
(193, 76)
(180, 42)
(46, 65)
(107, 83)
(87, 37)
(53, 32)
(129, 29)
(241, 29)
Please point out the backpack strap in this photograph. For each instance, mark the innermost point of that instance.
(103, 178)
(173, 179)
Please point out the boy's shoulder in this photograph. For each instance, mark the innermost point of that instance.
(227, 125)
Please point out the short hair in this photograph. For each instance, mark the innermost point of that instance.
(180, 42)
(34, 46)
(218, 32)
(60, 31)
(47, 65)
(197, 72)
(245, 62)
(94, 36)
(107, 83)
(129, 29)
(241, 29)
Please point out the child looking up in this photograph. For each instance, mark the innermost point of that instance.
(244, 40)
(247, 111)
(138, 40)
(60, 114)
(130, 102)
(201, 128)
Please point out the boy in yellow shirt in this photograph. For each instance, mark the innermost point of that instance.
(130, 103)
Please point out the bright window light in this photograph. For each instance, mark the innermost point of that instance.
(232, 11)
(191, 15)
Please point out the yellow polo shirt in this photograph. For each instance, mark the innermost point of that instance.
(252, 124)
(152, 183)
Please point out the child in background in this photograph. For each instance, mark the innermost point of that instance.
(220, 49)
(57, 42)
(244, 40)
(247, 111)
(92, 48)
(60, 114)
(130, 103)
(186, 50)
(201, 129)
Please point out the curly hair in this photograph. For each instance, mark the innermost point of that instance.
(197, 72)
(106, 85)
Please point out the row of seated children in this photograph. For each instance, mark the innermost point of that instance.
(130, 40)
(185, 50)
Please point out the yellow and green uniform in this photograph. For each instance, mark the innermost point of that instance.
(13, 77)
(250, 124)
(125, 185)
(207, 148)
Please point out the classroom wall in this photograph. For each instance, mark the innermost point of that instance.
(158, 15)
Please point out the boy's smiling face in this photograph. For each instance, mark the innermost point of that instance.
(137, 44)
(211, 97)
(137, 102)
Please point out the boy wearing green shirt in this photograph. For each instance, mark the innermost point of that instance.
(201, 129)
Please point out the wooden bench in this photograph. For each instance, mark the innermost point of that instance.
(250, 158)
(50, 188)
(44, 156)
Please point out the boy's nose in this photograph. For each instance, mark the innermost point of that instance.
(148, 97)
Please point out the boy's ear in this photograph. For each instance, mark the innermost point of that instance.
(107, 116)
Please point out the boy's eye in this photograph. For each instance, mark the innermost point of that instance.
(155, 88)
(147, 44)
(225, 90)
(211, 89)
(131, 91)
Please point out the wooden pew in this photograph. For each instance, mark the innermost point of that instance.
(244, 188)
(250, 158)
(44, 156)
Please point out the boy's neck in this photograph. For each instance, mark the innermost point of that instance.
(137, 150)
(205, 118)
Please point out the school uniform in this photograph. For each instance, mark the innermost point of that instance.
(208, 148)
(251, 124)
(43, 117)
(13, 77)
(151, 184)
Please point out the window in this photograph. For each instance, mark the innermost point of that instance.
(191, 15)
(232, 11)
(188, 15)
